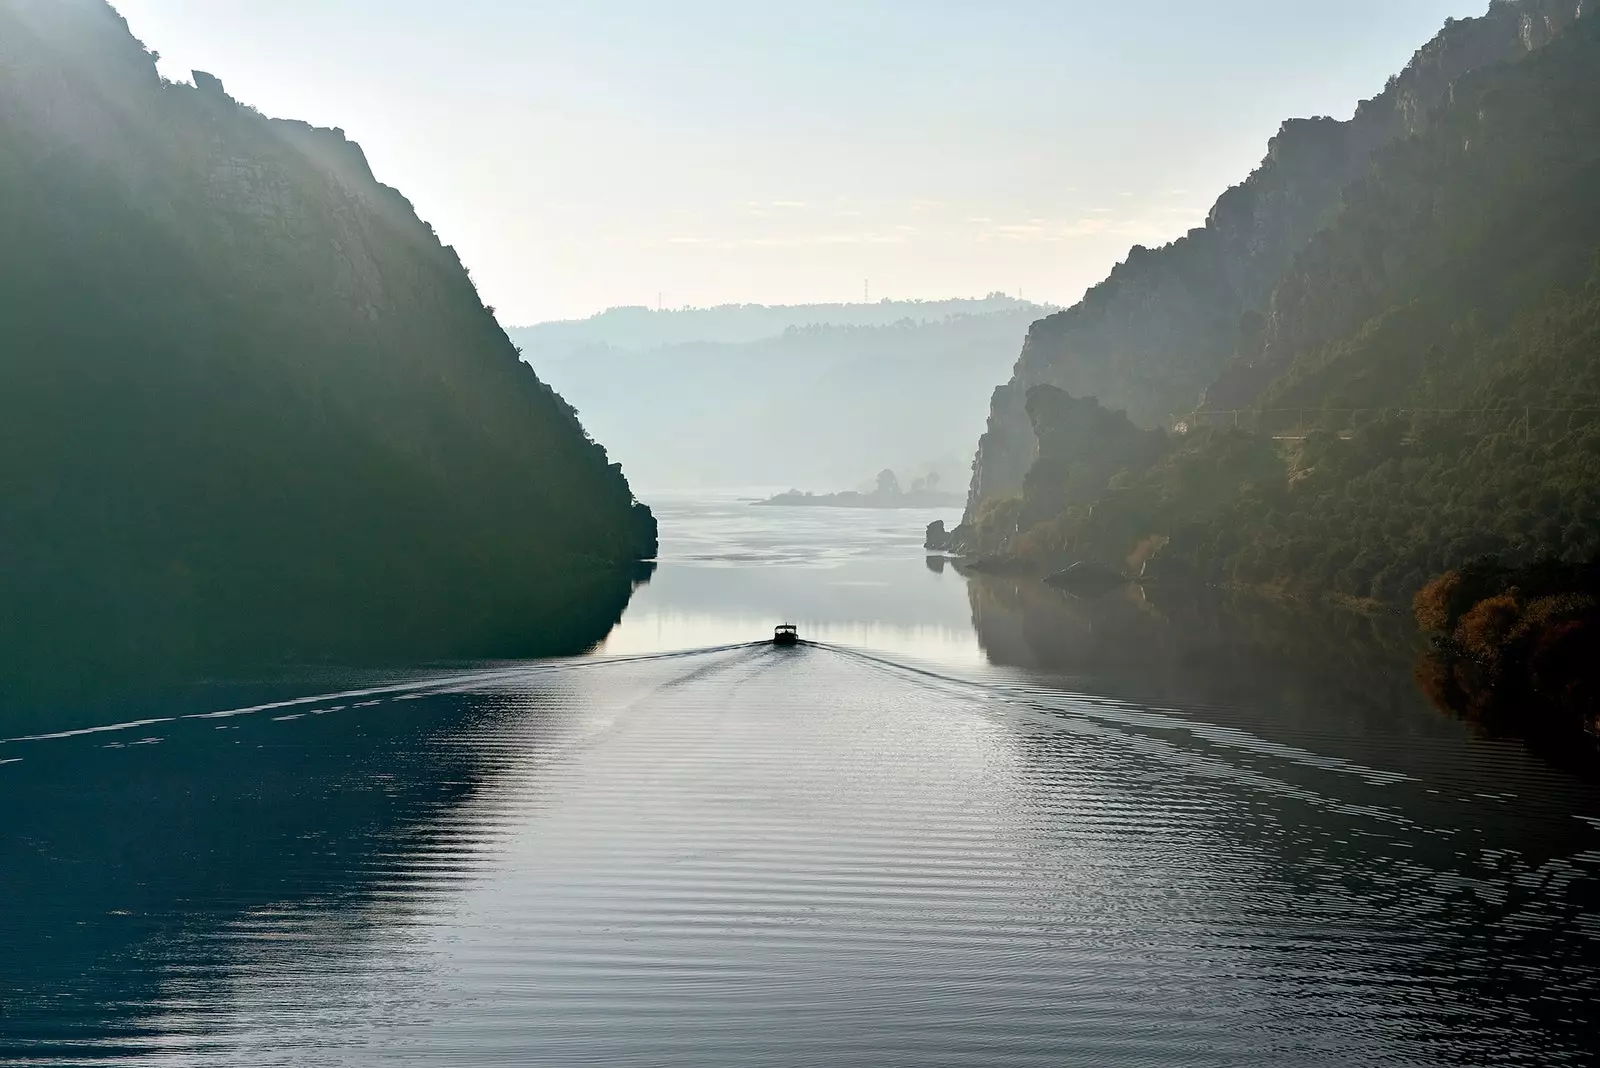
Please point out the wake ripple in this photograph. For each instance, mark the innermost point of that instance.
(751, 856)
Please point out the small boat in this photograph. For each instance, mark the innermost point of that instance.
(787, 634)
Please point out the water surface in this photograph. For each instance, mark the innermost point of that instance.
(970, 824)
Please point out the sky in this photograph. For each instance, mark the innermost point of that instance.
(583, 155)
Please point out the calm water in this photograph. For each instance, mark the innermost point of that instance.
(971, 825)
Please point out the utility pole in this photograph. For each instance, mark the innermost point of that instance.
(866, 291)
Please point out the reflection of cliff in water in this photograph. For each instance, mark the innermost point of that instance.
(1283, 767)
(79, 684)
(1331, 681)
(1199, 645)
(141, 875)
(144, 865)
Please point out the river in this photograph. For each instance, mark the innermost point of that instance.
(967, 823)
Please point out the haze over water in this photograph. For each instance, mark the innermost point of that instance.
(967, 824)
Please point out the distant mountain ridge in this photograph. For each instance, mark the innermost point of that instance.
(637, 328)
(250, 407)
(810, 403)
(1164, 326)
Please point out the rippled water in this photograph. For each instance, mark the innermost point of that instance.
(1055, 836)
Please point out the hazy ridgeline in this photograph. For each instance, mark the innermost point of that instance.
(250, 407)
(815, 396)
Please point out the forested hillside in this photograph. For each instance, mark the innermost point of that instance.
(1425, 388)
(249, 406)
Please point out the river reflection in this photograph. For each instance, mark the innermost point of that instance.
(1108, 833)
(730, 571)
(1334, 684)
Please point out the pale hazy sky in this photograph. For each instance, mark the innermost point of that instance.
(590, 153)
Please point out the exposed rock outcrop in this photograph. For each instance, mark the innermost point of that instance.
(1166, 323)
(1082, 445)
(1439, 341)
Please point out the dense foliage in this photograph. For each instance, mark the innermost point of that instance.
(1515, 648)
(249, 405)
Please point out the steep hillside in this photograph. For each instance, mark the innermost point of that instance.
(820, 406)
(1429, 378)
(249, 406)
(1167, 321)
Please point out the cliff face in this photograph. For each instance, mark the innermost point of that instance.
(249, 402)
(1437, 351)
(1082, 446)
(1418, 216)
(1166, 323)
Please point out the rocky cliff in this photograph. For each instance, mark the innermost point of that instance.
(1167, 322)
(249, 404)
(1436, 348)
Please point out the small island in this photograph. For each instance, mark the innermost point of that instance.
(924, 493)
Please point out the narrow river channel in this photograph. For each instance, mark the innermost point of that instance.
(964, 823)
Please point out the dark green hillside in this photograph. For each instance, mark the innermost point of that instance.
(1461, 283)
(1428, 379)
(249, 406)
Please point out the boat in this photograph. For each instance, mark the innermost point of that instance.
(786, 634)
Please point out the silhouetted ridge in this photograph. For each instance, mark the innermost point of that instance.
(249, 405)
(638, 329)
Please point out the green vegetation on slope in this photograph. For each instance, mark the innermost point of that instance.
(1162, 327)
(1455, 302)
(249, 406)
